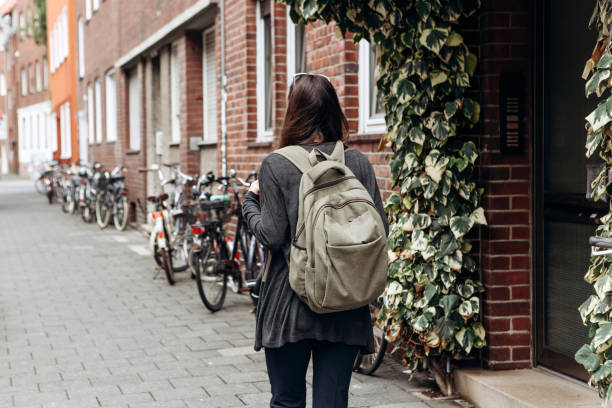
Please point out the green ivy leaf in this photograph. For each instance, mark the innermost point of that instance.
(454, 39)
(603, 335)
(605, 62)
(450, 108)
(461, 226)
(604, 371)
(448, 303)
(478, 216)
(469, 151)
(434, 38)
(465, 337)
(593, 141)
(587, 307)
(471, 110)
(594, 85)
(587, 358)
(438, 77)
(423, 8)
(417, 135)
(471, 61)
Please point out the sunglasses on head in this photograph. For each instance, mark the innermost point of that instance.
(301, 74)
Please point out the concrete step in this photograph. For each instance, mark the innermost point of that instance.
(532, 388)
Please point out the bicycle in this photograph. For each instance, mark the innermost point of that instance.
(369, 363)
(161, 238)
(217, 259)
(111, 199)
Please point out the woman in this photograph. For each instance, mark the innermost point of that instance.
(285, 327)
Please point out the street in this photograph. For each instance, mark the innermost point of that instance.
(84, 324)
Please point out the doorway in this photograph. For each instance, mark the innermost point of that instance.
(564, 217)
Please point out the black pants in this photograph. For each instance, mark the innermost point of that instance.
(332, 369)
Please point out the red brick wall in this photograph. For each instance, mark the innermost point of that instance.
(506, 243)
(101, 32)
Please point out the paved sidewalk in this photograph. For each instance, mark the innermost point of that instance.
(84, 324)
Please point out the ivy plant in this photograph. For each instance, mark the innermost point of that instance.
(596, 311)
(423, 71)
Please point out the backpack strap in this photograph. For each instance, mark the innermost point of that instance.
(297, 155)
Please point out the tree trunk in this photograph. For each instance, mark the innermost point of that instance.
(442, 378)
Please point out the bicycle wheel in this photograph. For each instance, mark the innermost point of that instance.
(167, 261)
(121, 213)
(40, 186)
(369, 363)
(87, 215)
(102, 213)
(179, 260)
(211, 277)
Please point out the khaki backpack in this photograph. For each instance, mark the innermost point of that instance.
(338, 258)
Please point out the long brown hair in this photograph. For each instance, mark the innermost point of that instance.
(313, 108)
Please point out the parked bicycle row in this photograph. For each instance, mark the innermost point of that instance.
(192, 219)
(89, 190)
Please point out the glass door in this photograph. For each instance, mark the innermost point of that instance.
(565, 218)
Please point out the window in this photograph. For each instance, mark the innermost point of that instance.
(371, 111)
(15, 19)
(52, 131)
(38, 77)
(90, 114)
(22, 24)
(96, 5)
(88, 9)
(174, 96)
(264, 71)
(31, 78)
(2, 84)
(24, 82)
(134, 109)
(81, 49)
(45, 73)
(296, 49)
(209, 91)
(111, 107)
(98, 110)
(52, 55)
(65, 131)
(64, 19)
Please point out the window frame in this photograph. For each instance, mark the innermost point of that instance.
(110, 101)
(38, 76)
(96, 5)
(134, 107)
(98, 109)
(24, 82)
(88, 10)
(206, 81)
(45, 73)
(263, 134)
(367, 124)
(91, 131)
(81, 46)
(291, 49)
(175, 104)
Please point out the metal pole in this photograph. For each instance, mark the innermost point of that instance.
(223, 96)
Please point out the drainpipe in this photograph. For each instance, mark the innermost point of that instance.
(223, 96)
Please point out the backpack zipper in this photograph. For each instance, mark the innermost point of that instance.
(336, 206)
(328, 184)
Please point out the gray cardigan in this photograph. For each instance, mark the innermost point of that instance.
(281, 317)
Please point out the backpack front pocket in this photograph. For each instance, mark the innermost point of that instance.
(346, 284)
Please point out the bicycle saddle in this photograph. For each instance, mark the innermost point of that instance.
(161, 197)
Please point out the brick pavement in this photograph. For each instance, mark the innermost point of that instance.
(84, 324)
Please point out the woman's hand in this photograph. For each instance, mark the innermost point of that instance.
(254, 187)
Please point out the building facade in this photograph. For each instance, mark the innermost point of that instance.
(61, 35)
(26, 135)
